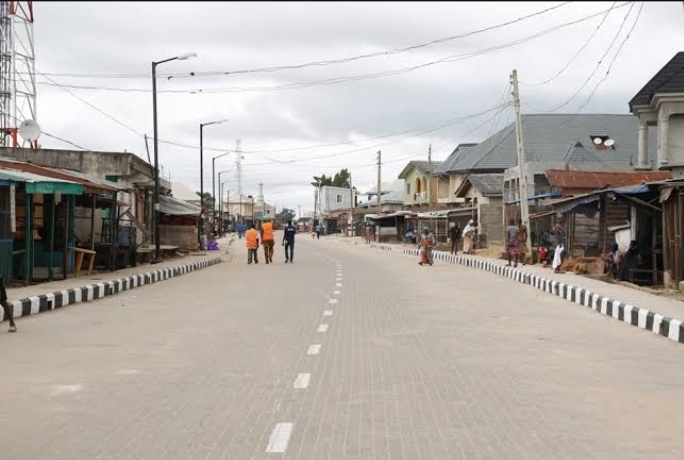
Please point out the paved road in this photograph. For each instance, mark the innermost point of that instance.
(415, 363)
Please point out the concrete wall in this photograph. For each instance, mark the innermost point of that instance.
(329, 196)
(491, 220)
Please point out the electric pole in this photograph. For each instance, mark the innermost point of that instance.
(430, 177)
(379, 189)
(351, 207)
(522, 167)
(238, 166)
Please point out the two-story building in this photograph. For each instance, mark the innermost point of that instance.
(420, 185)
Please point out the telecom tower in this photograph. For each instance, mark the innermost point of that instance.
(238, 166)
(17, 72)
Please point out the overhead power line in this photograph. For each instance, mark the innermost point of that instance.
(326, 62)
(339, 80)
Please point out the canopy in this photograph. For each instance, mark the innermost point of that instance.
(176, 207)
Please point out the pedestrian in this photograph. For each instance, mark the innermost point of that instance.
(455, 236)
(512, 245)
(319, 230)
(252, 243)
(7, 306)
(522, 241)
(468, 234)
(289, 241)
(559, 235)
(426, 244)
(267, 239)
(368, 233)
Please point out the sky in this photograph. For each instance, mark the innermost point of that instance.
(438, 75)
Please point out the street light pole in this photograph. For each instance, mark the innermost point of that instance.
(200, 227)
(219, 176)
(157, 213)
(213, 179)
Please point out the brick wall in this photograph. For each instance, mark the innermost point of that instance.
(491, 215)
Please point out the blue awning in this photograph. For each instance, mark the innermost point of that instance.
(632, 189)
(541, 196)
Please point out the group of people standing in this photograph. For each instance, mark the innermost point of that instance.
(267, 237)
(516, 242)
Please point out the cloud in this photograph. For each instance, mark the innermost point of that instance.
(106, 38)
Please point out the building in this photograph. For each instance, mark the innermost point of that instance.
(452, 172)
(331, 199)
(420, 189)
(482, 196)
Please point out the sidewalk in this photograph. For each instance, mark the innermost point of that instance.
(657, 314)
(39, 298)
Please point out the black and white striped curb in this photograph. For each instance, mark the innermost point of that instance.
(46, 302)
(671, 328)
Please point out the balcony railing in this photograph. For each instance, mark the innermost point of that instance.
(422, 196)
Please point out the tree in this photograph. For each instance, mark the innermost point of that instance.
(207, 200)
(285, 215)
(340, 179)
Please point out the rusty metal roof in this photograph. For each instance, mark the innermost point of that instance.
(90, 185)
(589, 180)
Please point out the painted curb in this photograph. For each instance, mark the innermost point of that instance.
(659, 324)
(46, 302)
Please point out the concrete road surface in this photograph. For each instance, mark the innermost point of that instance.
(347, 354)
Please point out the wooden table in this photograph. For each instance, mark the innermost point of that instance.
(80, 254)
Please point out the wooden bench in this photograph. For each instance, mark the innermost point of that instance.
(80, 254)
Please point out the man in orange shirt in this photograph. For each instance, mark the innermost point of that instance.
(267, 239)
(252, 243)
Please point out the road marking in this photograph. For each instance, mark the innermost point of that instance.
(322, 328)
(280, 436)
(65, 389)
(338, 284)
(328, 313)
(302, 381)
(314, 349)
(336, 292)
(332, 300)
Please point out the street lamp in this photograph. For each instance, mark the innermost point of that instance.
(213, 178)
(200, 228)
(157, 213)
(252, 198)
(221, 200)
(219, 176)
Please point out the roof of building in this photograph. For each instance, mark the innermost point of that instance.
(486, 184)
(90, 185)
(669, 79)
(425, 166)
(594, 180)
(559, 138)
(183, 192)
(386, 187)
(459, 152)
(394, 197)
(176, 207)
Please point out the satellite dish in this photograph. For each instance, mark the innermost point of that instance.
(597, 140)
(29, 130)
(609, 143)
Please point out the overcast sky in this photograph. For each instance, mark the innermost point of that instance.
(332, 124)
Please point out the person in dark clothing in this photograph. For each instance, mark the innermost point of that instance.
(7, 306)
(288, 241)
(455, 235)
(631, 259)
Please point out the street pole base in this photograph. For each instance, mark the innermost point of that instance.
(157, 260)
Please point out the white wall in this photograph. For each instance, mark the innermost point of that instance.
(334, 199)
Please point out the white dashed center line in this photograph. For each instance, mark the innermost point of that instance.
(338, 284)
(322, 328)
(302, 381)
(314, 349)
(280, 437)
(336, 292)
(328, 313)
(332, 301)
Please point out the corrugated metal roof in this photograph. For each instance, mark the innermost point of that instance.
(21, 176)
(388, 198)
(669, 79)
(90, 184)
(425, 166)
(560, 138)
(488, 184)
(593, 180)
(459, 152)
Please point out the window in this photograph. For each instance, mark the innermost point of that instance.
(338, 198)
(408, 189)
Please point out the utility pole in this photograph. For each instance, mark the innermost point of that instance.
(238, 166)
(522, 167)
(429, 190)
(351, 206)
(379, 189)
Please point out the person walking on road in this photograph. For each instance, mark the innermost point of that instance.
(512, 242)
(468, 234)
(368, 233)
(522, 241)
(319, 230)
(455, 236)
(288, 241)
(559, 237)
(426, 244)
(267, 239)
(252, 243)
(7, 306)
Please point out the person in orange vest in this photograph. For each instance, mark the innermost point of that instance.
(252, 243)
(267, 239)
